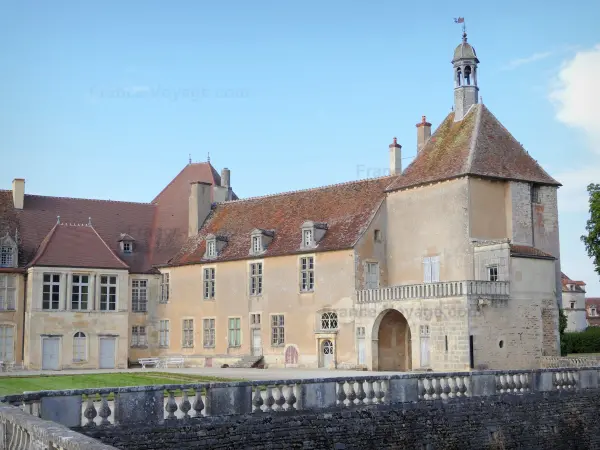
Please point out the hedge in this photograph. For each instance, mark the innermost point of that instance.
(587, 341)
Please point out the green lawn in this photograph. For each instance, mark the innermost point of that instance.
(17, 385)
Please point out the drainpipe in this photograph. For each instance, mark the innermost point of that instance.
(23, 326)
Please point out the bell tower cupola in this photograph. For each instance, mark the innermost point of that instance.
(466, 91)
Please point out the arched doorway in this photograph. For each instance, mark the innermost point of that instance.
(327, 353)
(393, 342)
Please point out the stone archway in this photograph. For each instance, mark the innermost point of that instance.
(394, 351)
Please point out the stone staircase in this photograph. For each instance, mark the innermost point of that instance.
(249, 362)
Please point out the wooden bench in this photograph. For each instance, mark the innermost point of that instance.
(148, 362)
(176, 361)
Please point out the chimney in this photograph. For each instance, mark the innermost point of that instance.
(395, 158)
(225, 177)
(18, 192)
(423, 133)
(199, 206)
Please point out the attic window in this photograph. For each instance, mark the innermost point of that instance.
(126, 247)
(214, 246)
(312, 233)
(377, 235)
(260, 240)
(211, 249)
(8, 252)
(126, 242)
(535, 194)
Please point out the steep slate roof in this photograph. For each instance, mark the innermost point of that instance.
(526, 251)
(154, 226)
(578, 286)
(477, 145)
(172, 217)
(346, 209)
(76, 245)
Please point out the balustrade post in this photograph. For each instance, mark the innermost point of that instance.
(139, 407)
(401, 390)
(228, 400)
(316, 395)
(65, 410)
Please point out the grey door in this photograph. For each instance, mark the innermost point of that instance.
(50, 353)
(107, 353)
(327, 353)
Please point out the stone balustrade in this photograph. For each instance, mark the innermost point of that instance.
(22, 431)
(165, 404)
(551, 362)
(492, 289)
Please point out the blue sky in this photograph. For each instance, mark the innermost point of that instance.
(108, 99)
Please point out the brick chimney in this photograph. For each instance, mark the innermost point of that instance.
(395, 158)
(199, 205)
(18, 192)
(423, 133)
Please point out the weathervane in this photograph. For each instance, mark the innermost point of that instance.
(464, 26)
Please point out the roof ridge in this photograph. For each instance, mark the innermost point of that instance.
(474, 137)
(43, 246)
(176, 176)
(87, 199)
(328, 186)
(109, 249)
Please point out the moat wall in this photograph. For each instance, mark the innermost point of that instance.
(537, 420)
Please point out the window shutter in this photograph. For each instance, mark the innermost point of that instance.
(427, 269)
(435, 269)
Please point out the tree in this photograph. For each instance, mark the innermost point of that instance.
(562, 322)
(592, 239)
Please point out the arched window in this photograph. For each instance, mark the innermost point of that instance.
(79, 347)
(468, 75)
(329, 321)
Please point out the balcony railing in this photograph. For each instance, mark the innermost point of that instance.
(494, 289)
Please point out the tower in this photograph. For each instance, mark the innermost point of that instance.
(466, 91)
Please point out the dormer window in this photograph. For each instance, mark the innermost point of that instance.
(214, 246)
(260, 240)
(312, 233)
(8, 252)
(127, 243)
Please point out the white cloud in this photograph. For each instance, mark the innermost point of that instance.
(576, 97)
(527, 60)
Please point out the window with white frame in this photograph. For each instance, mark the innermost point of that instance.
(372, 278)
(424, 330)
(209, 283)
(139, 295)
(7, 343)
(211, 248)
(208, 333)
(127, 247)
(6, 256)
(51, 291)
(572, 305)
(255, 319)
(307, 274)
(188, 333)
(164, 288)
(235, 332)
(138, 336)
(8, 286)
(80, 285)
(329, 321)
(277, 330)
(431, 269)
(79, 347)
(108, 293)
(360, 332)
(492, 273)
(256, 271)
(307, 238)
(593, 311)
(163, 333)
(257, 244)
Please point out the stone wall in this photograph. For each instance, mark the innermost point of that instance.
(557, 420)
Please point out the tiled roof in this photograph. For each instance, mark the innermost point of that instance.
(589, 302)
(76, 245)
(159, 228)
(172, 210)
(526, 251)
(578, 286)
(477, 145)
(346, 209)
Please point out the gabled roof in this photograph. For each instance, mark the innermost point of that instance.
(346, 208)
(160, 228)
(526, 251)
(76, 245)
(577, 286)
(172, 217)
(478, 145)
